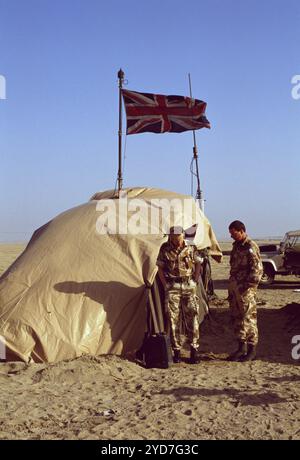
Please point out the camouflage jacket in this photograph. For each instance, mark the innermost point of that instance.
(245, 263)
(178, 262)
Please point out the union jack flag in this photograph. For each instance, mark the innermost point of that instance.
(157, 113)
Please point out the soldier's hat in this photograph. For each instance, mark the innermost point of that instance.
(176, 230)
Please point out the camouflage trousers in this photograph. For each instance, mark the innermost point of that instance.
(243, 312)
(182, 305)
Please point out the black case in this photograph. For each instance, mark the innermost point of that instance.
(157, 351)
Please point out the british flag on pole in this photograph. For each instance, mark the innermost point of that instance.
(157, 113)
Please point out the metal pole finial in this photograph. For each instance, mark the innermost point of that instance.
(121, 75)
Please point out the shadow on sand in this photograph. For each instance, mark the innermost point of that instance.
(241, 397)
(222, 284)
(276, 330)
(282, 284)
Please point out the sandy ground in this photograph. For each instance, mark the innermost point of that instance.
(108, 397)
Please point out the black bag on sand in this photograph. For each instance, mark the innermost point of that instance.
(157, 351)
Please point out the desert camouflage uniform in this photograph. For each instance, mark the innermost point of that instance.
(245, 274)
(180, 296)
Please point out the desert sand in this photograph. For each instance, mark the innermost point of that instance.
(108, 397)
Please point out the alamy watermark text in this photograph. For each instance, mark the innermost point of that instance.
(134, 216)
(296, 87)
(2, 87)
(2, 348)
(296, 347)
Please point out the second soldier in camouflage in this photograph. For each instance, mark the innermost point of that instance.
(245, 274)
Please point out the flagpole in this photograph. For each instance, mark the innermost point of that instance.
(199, 195)
(121, 75)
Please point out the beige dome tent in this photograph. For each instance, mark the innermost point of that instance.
(79, 286)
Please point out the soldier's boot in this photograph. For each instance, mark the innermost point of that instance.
(176, 358)
(194, 358)
(251, 354)
(239, 353)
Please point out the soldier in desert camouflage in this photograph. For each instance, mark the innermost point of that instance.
(245, 274)
(179, 270)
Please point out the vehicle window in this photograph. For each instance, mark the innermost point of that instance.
(284, 239)
(290, 241)
(297, 240)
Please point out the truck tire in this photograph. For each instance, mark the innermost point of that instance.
(268, 275)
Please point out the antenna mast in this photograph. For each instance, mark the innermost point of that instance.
(199, 194)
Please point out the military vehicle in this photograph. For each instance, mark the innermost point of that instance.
(281, 259)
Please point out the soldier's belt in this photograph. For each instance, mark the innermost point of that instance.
(179, 279)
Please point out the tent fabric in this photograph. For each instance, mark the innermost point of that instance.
(74, 291)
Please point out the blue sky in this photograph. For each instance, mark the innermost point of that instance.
(59, 122)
